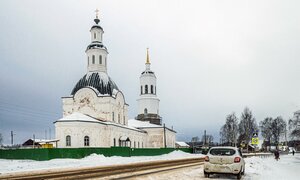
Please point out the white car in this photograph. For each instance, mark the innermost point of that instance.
(224, 160)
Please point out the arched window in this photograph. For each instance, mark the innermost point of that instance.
(134, 144)
(138, 144)
(146, 89)
(86, 141)
(119, 119)
(141, 89)
(93, 59)
(100, 59)
(68, 140)
(113, 116)
(114, 141)
(142, 145)
(124, 120)
(151, 89)
(94, 35)
(145, 111)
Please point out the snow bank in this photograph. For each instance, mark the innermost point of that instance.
(10, 166)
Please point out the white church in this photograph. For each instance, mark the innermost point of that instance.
(96, 113)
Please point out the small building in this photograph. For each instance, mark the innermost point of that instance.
(40, 143)
(180, 144)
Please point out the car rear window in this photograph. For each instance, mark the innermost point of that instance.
(222, 152)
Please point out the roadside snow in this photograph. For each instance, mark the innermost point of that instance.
(11, 166)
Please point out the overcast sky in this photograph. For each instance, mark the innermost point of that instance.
(211, 58)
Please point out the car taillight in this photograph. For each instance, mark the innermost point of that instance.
(237, 159)
(206, 159)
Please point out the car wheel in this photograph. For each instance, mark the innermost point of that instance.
(206, 174)
(243, 172)
(239, 175)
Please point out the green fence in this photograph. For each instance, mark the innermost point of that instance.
(47, 154)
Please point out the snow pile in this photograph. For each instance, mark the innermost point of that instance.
(141, 124)
(10, 166)
(268, 168)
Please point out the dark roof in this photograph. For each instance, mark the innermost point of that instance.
(96, 44)
(98, 80)
(97, 26)
(148, 72)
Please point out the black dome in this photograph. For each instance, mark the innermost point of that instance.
(98, 80)
(96, 44)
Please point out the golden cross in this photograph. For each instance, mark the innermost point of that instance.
(97, 13)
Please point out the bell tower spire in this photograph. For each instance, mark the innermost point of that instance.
(96, 52)
(148, 102)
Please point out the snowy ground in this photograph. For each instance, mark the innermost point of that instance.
(287, 168)
(11, 166)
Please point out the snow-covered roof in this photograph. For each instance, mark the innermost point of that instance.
(141, 124)
(76, 116)
(144, 124)
(180, 143)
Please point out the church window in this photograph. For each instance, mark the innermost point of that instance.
(114, 141)
(151, 89)
(93, 59)
(138, 144)
(155, 90)
(86, 141)
(145, 111)
(142, 144)
(100, 59)
(113, 116)
(141, 89)
(94, 35)
(68, 140)
(124, 120)
(134, 144)
(105, 61)
(119, 119)
(88, 60)
(146, 89)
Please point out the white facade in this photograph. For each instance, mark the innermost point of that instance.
(96, 113)
(148, 101)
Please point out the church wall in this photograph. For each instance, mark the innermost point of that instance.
(156, 137)
(97, 133)
(149, 102)
(87, 102)
(100, 135)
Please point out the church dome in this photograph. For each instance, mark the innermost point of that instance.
(99, 81)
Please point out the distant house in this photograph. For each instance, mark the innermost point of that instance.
(180, 144)
(40, 143)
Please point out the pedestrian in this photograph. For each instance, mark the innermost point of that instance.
(293, 152)
(276, 154)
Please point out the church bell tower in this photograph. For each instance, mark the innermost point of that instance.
(148, 102)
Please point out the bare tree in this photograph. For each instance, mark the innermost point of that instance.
(294, 126)
(222, 135)
(278, 129)
(247, 126)
(266, 128)
(231, 129)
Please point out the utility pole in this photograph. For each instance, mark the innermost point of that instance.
(12, 137)
(204, 137)
(49, 133)
(165, 141)
(33, 141)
